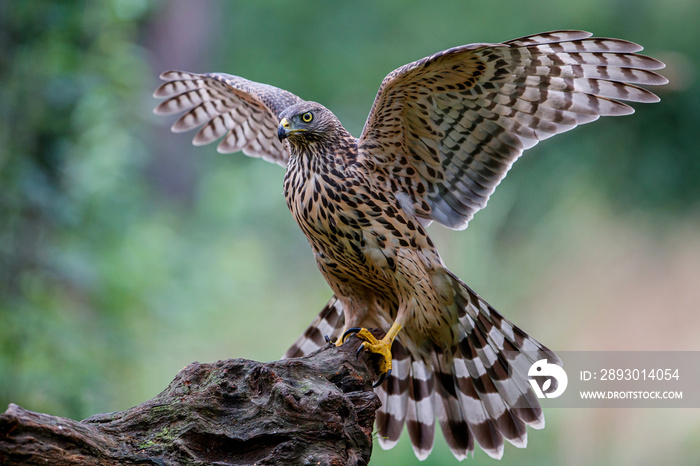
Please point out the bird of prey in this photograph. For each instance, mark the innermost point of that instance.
(441, 135)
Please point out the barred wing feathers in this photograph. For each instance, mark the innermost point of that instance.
(244, 112)
(446, 129)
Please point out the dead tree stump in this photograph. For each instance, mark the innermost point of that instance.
(313, 410)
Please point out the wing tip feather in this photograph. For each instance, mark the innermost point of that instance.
(181, 127)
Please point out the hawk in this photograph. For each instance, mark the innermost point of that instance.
(441, 135)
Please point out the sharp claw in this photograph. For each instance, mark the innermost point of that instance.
(359, 350)
(382, 378)
(327, 338)
(350, 331)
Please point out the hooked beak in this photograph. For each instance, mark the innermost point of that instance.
(283, 129)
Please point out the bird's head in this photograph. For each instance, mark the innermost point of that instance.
(306, 122)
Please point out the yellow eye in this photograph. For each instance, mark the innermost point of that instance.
(307, 117)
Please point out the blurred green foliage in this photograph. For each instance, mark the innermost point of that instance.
(126, 254)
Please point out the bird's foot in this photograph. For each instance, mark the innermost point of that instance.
(373, 345)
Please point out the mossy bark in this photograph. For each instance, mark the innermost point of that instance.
(314, 410)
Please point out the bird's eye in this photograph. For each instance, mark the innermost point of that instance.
(307, 117)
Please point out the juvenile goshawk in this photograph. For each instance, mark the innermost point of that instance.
(441, 135)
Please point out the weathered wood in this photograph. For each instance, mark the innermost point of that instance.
(314, 410)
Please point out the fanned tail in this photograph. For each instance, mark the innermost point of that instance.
(488, 374)
(480, 394)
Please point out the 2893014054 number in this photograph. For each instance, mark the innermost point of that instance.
(639, 374)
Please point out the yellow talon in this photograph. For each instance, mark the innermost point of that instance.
(342, 339)
(381, 347)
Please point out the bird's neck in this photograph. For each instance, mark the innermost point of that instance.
(324, 156)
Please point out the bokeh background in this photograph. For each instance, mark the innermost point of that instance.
(126, 253)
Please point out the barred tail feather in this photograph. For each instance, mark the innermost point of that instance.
(454, 421)
(394, 397)
(420, 414)
(495, 355)
(329, 322)
(480, 394)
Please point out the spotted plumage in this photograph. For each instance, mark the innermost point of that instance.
(441, 135)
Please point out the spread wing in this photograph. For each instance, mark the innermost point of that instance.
(243, 111)
(444, 131)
